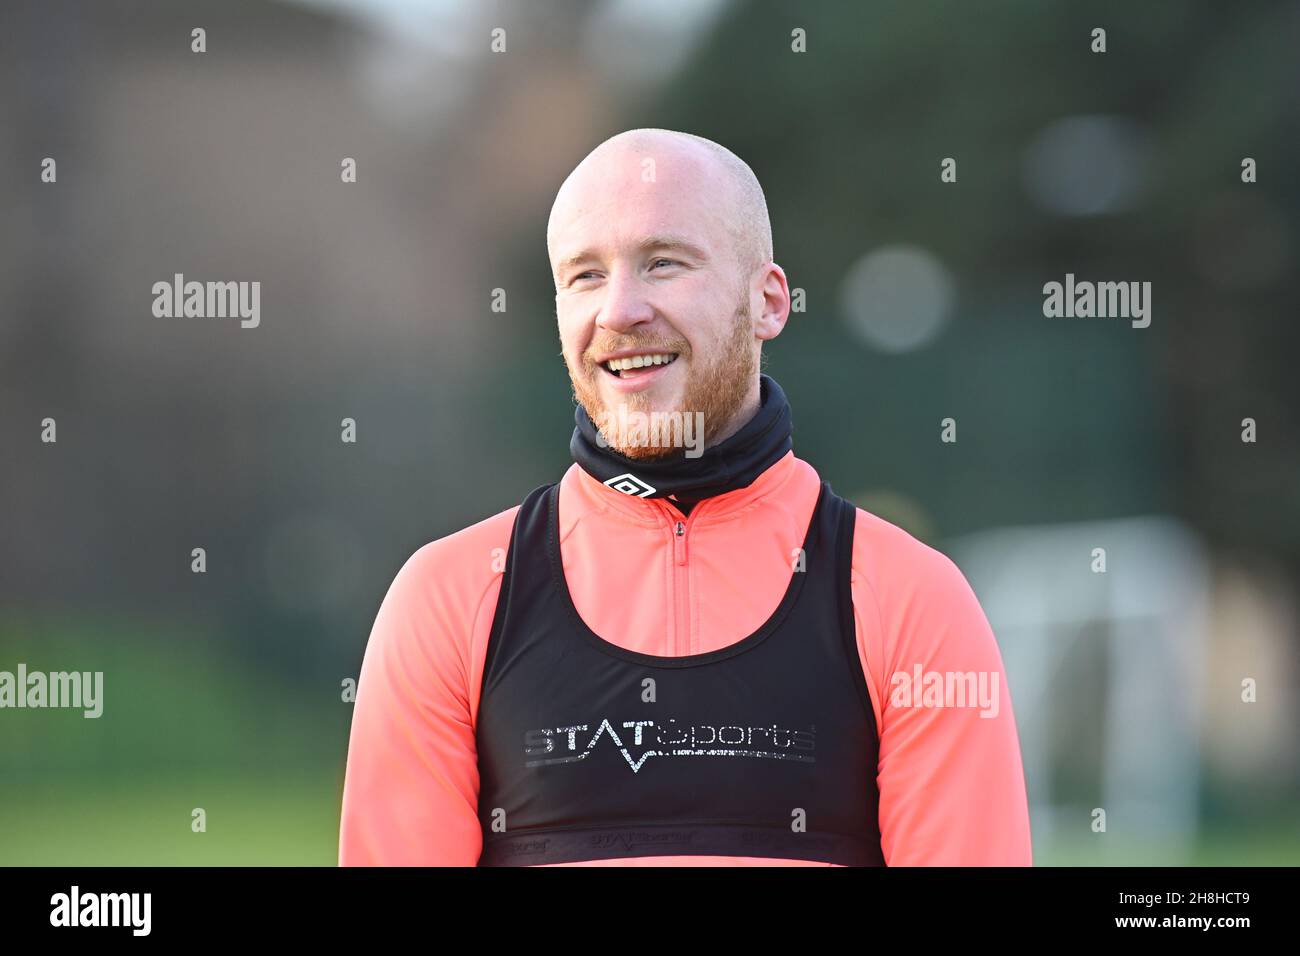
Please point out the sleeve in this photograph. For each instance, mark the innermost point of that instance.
(410, 793)
(951, 780)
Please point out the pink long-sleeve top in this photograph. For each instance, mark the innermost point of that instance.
(950, 779)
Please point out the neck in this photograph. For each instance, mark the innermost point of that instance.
(755, 439)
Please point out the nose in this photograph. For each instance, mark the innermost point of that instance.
(625, 304)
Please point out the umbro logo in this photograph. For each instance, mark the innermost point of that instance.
(630, 484)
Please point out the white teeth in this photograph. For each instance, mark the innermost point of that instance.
(639, 361)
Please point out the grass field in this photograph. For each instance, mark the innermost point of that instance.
(119, 789)
(293, 821)
(250, 821)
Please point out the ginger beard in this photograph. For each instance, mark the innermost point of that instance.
(718, 390)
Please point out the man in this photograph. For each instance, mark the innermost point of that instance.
(672, 657)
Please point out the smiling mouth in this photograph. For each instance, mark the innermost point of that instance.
(635, 365)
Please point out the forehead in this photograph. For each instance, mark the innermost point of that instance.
(619, 203)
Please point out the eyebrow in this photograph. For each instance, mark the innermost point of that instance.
(648, 244)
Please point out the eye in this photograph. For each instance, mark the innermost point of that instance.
(653, 262)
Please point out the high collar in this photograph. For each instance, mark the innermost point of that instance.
(728, 466)
(653, 511)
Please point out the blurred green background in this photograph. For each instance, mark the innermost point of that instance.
(223, 689)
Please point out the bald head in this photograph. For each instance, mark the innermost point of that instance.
(665, 288)
(678, 170)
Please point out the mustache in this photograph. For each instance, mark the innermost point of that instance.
(678, 348)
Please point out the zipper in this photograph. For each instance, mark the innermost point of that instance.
(681, 577)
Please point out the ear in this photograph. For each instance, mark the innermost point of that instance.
(772, 314)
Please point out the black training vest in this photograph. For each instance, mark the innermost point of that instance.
(575, 765)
